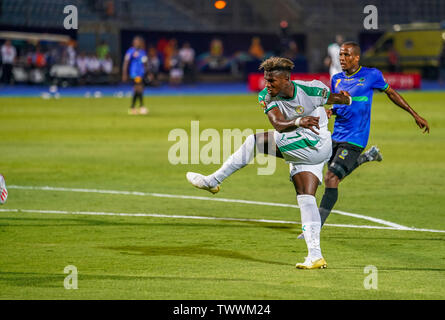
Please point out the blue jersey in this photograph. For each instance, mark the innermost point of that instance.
(352, 123)
(136, 59)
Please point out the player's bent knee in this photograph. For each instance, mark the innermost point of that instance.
(337, 171)
(331, 179)
(262, 142)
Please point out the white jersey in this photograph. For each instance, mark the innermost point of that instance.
(334, 54)
(308, 100)
(302, 146)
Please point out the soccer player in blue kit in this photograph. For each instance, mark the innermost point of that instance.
(135, 65)
(352, 122)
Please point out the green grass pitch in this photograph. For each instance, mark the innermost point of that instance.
(94, 144)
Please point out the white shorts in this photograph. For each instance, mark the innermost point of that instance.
(304, 147)
(316, 169)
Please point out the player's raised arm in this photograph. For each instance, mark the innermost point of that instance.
(280, 124)
(395, 97)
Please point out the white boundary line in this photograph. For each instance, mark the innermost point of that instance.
(157, 215)
(162, 195)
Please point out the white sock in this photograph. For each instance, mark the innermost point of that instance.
(235, 162)
(311, 224)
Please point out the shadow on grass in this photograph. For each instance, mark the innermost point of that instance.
(391, 269)
(79, 222)
(422, 237)
(46, 280)
(187, 251)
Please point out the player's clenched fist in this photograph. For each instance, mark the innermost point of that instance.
(309, 122)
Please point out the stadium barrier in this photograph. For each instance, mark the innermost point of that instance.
(395, 80)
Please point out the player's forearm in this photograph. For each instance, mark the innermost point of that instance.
(125, 68)
(395, 97)
(338, 98)
(284, 126)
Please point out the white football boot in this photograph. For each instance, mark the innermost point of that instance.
(199, 181)
(312, 264)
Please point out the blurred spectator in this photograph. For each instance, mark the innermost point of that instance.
(187, 56)
(160, 47)
(214, 60)
(81, 63)
(8, 53)
(176, 68)
(93, 65)
(333, 59)
(256, 49)
(69, 54)
(169, 50)
(154, 67)
(102, 50)
(106, 64)
(216, 48)
(53, 55)
(38, 59)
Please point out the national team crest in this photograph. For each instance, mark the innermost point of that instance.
(343, 154)
(299, 109)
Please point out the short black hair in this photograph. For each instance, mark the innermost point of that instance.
(354, 45)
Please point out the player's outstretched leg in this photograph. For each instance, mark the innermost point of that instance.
(372, 154)
(236, 161)
(3, 191)
(202, 182)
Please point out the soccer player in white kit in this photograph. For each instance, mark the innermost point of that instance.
(301, 137)
(334, 56)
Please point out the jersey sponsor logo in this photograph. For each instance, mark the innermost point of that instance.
(136, 54)
(299, 109)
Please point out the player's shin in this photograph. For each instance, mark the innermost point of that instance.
(328, 201)
(311, 224)
(235, 162)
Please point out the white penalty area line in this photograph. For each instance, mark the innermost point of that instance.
(157, 215)
(175, 196)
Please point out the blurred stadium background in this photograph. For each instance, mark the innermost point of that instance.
(91, 186)
(227, 40)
